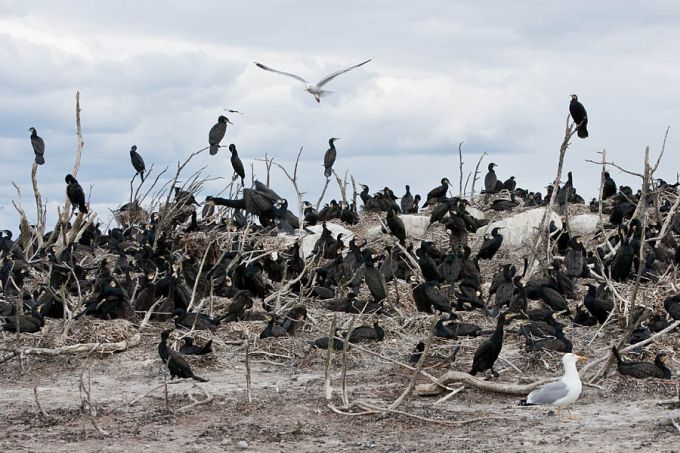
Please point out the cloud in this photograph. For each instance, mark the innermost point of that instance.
(495, 76)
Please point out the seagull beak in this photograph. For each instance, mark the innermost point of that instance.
(581, 358)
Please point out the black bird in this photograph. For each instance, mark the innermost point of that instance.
(487, 352)
(366, 333)
(672, 306)
(236, 163)
(490, 179)
(578, 113)
(609, 187)
(426, 296)
(137, 162)
(38, 146)
(189, 348)
(417, 353)
(407, 201)
(273, 330)
(329, 157)
(510, 184)
(490, 245)
(176, 364)
(643, 370)
(198, 321)
(25, 323)
(554, 299)
(75, 194)
(437, 193)
(598, 307)
(558, 343)
(396, 225)
(322, 343)
(216, 133)
(623, 260)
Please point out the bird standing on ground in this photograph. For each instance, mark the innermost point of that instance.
(216, 134)
(314, 89)
(561, 393)
(137, 162)
(407, 201)
(38, 146)
(176, 364)
(236, 163)
(578, 113)
(437, 193)
(329, 157)
(75, 194)
(487, 352)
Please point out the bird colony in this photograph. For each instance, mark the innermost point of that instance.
(443, 294)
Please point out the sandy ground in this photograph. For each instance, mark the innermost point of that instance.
(289, 411)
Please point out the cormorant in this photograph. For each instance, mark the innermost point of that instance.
(329, 157)
(137, 162)
(437, 193)
(396, 225)
(598, 307)
(236, 163)
(554, 299)
(189, 348)
(365, 333)
(609, 188)
(490, 179)
(407, 201)
(216, 133)
(176, 364)
(417, 353)
(487, 352)
(623, 260)
(672, 306)
(510, 184)
(25, 323)
(578, 113)
(490, 245)
(426, 296)
(197, 321)
(75, 194)
(38, 146)
(643, 370)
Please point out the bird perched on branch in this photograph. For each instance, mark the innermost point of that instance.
(578, 113)
(75, 194)
(329, 157)
(236, 163)
(315, 90)
(216, 134)
(38, 146)
(137, 162)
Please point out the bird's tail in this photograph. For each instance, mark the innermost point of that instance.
(207, 348)
(82, 208)
(199, 378)
(582, 132)
(40, 159)
(616, 354)
(328, 172)
(214, 149)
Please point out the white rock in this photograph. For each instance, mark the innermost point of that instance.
(415, 225)
(475, 213)
(584, 224)
(308, 240)
(518, 230)
(242, 444)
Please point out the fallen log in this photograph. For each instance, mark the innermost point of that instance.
(78, 348)
(452, 377)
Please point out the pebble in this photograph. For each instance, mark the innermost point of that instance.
(242, 444)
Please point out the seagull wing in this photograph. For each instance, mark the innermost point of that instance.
(328, 78)
(549, 393)
(267, 68)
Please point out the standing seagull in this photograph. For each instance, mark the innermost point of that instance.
(329, 157)
(75, 194)
(38, 147)
(314, 89)
(578, 113)
(137, 162)
(217, 134)
(561, 393)
(236, 163)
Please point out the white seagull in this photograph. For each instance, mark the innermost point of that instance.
(315, 89)
(562, 393)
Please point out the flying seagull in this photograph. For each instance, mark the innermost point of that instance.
(315, 89)
(233, 111)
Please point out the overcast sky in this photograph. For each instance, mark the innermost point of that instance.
(494, 75)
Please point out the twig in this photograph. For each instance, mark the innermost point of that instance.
(37, 402)
(328, 390)
(247, 361)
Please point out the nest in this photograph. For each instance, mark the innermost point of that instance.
(88, 330)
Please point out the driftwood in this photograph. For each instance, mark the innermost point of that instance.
(80, 347)
(471, 381)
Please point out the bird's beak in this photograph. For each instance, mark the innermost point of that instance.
(229, 121)
(581, 358)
